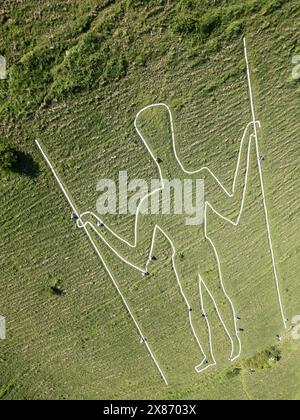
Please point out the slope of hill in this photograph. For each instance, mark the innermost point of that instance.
(78, 72)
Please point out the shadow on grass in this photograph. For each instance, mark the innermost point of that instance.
(25, 165)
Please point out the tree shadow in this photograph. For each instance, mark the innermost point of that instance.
(25, 165)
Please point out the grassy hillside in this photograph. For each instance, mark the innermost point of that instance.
(79, 71)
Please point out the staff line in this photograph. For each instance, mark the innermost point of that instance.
(263, 188)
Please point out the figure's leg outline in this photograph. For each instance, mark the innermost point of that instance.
(200, 368)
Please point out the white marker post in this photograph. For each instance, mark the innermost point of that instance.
(2, 328)
(3, 72)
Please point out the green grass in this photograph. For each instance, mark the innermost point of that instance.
(78, 73)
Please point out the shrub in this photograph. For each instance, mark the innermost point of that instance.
(265, 359)
(7, 157)
(233, 373)
(55, 288)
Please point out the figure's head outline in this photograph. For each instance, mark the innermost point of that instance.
(157, 105)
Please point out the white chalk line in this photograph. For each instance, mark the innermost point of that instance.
(263, 189)
(145, 341)
(207, 204)
(199, 368)
(74, 209)
(134, 245)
